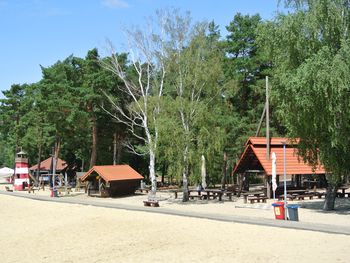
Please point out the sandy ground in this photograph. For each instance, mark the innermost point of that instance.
(37, 231)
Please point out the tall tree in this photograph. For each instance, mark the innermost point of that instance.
(144, 84)
(12, 110)
(94, 80)
(311, 55)
(193, 85)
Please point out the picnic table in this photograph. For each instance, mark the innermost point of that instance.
(205, 193)
(66, 189)
(299, 194)
(298, 191)
(214, 193)
(254, 196)
(342, 189)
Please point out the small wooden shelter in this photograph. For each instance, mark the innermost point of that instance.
(109, 180)
(46, 168)
(256, 160)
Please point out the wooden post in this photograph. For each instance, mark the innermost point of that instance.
(267, 120)
(99, 185)
(261, 121)
(268, 187)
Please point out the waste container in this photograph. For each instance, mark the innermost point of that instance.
(293, 212)
(278, 208)
(54, 192)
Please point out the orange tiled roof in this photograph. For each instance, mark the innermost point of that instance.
(114, 173)
(46, 165)
(254, 158)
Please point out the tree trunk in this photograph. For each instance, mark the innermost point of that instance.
(164, 168)
(329, 202)
(114, 149)
(152, 172)
(94, 142)
(185, 196)
(55, 157)
(120, 138)
(39, 163)
(224, 172)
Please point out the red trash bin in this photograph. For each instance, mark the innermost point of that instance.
(278, 208)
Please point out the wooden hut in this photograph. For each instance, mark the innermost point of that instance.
(255, 160)
(46, 168)
(111, 180)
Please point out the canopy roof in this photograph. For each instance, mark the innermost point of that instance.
(254, 158)
(46, 165)
(114, 173)
(6, 172)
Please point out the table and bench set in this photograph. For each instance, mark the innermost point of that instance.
(302, 194)
(206, 194)
(252, 197)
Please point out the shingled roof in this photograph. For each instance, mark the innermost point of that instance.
(254, 158)
(46, 165)
(114, 173)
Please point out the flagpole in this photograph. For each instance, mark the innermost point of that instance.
(285, 179)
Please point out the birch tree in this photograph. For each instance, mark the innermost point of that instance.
(310, 50)
(143, 80)
(196, 71)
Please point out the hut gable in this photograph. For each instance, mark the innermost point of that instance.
(254, 158)
(111, 173)
(46, 165)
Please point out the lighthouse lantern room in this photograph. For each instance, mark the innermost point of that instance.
(21, 172)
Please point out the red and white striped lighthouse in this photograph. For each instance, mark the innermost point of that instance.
(21, 172)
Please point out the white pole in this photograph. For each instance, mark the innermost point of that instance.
(285, 180)
(53, 175)
(274, 185)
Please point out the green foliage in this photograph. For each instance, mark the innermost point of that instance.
(310, 52)
(61, 105)
(245, 67)
(188, 130)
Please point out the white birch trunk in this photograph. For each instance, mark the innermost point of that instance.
(185, 197)
(152, 173)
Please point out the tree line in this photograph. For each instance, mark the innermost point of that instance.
(184, 91)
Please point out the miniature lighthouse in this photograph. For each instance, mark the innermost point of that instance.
(21, 172)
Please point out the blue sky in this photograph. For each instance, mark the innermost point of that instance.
(40, 32)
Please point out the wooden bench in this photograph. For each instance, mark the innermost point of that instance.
(8, 189)
(229, 195)
(319, 195)
(252, 199)
(141, 190)
(64, 189)
(153, 203)
(289, 197)
(302, 197)
(206, 195)
(195, 196)
(32, 189)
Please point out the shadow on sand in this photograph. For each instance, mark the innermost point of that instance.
(342, 206)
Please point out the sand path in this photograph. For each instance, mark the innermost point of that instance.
(38, 231)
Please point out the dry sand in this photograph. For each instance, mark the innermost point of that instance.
(38, 231)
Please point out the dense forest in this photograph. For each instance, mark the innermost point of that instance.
(184, 91)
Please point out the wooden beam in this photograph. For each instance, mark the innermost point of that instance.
(254, 171)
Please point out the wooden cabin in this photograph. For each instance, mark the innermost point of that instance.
(46, 169)
(255, 159)
(111, 180)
